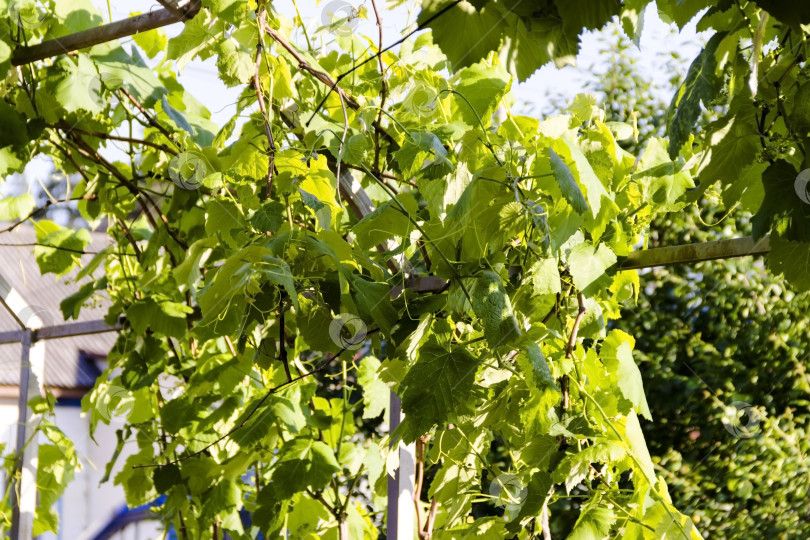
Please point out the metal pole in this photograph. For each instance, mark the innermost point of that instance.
(24, 487)
(401, 511)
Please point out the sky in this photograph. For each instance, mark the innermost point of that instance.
(657, 41)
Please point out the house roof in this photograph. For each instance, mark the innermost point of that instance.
(70, 363)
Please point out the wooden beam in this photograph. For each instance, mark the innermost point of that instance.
(81, 328)
(16, 306)
(401, 519)
(693, 253)
(100, 34)
(182, 9)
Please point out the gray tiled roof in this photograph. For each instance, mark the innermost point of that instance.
(65, 367)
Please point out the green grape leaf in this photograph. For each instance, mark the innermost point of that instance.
(12, 208)
(732, 143)
(701, 85)
(594, 521)
(568, 186)
(423, 153)
(385, 222)
(584, 174)
(60, 248)
(77, 86)
(792, 259)
(465, 35)
(792, 13)
(537, 495)
(376, 393)
(177, 117)
(152, 42)
(681, 11)
(268, 217)
(165, 317)
(531, 42)
(233, 11)
(587, 14)
(121, 70)
(492, 305)
(14, 130)
(373, 301)
(235, 66)
(436, 388)
(588, 266)
(575, 468)
(783, 199)
(617, 355)
(313, 318)
(304, 463)
(482, 90)
(545, 276)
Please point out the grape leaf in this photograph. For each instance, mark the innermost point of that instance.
(568, 186)
(588, 265)
(595, 521)
(792, 259)
(436, 388)
(617, 355)
(304, 463)
(493, 307)
(701, 85)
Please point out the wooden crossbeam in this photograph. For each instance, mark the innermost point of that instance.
(180, 11)
(693, 253)
(81, 328)
(184, 10)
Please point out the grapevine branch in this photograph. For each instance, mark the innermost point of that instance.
(255, 408)
(305, 66)
(426, 531)
(345, 74)
(569, 349)
(257, 84)
(282, 346)
(111, 137)
(149, 118)
(383, 88)
(44, 207)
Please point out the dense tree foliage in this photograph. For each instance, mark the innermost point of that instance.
(723, 358)
(728, 384)
(249, 266)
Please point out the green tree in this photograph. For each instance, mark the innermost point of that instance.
(727, 386)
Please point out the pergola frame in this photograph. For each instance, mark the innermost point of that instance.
(401, 510)
(31, 336)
